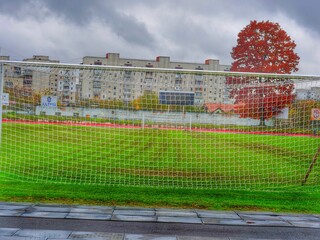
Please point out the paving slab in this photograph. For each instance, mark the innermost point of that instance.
(26, 238)
(240, 238)
(148, 237)
(13, 207)
(11, 213)
(305, 224)
(134, 212)
(217, 221)
(45, 214)
(96, 235)
(50, 209)
(211, 214)
(179, 220)
(8, 231)
(92, 210)
(162, 213)
(92, 216)
(133, 218)
(268, 223)
(42, 233)
(260, 217)
(215, 211)
(246, 222)
(202, 238)
(102, 208)
(257, 213)
(300, 218)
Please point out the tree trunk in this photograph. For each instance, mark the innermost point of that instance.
(262, 122)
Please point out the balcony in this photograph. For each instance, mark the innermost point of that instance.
(97, 85)
(127, 86)
(127, 74)
(148, 87)
(127, 99)
(198, 77)
(178, 81)
(198, 83)
(198, 95)
(96, 91)
(178, 76)
(27, 82)
(9, 84)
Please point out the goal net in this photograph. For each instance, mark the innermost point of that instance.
(158, 127)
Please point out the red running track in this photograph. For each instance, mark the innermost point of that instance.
(113, 125)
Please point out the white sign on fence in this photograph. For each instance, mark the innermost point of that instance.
(5, 99)
(49, 101)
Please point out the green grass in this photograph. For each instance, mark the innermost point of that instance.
(157, 168)
(295, 201)
(153, 157)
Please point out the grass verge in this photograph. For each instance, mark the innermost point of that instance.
(295, 201)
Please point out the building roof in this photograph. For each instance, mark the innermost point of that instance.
(226, 108)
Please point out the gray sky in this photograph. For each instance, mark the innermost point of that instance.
(185, 30)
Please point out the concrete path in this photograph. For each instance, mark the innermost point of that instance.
(26, 221)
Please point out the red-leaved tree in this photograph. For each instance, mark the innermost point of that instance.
(263, 47)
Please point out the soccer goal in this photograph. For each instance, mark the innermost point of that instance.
(94, 124)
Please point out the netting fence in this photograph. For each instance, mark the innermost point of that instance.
(158, 127)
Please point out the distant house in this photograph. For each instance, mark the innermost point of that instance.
(220, 108)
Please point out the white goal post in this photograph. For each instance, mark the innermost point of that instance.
(145, 126)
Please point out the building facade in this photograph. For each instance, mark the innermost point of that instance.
(307, 94)
(72, 85)
(31, 78)
(128, 85)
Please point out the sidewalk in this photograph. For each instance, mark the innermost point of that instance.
(41, 221)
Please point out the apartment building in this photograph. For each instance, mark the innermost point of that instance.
(128, 85)
(30, 77)
(307, 94)
(72, 85)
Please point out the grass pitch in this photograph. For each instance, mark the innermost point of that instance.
(157, 168)
(154, 157)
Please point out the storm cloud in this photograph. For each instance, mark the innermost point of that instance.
(185, 30)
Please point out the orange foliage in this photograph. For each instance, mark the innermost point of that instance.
(264, 47)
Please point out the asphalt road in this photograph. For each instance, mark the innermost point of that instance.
(165, 229)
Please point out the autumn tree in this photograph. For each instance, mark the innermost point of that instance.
(263, 47)
(148, 101)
